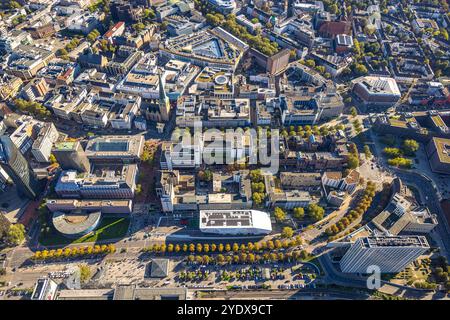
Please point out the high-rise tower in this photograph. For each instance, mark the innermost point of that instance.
(18, 169)
(70, 155)
(164, 104)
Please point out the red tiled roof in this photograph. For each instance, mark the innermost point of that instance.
(111, 31)
(335, 27)
(4, 110)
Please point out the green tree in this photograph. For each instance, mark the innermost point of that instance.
(353, 161)
(212, 19)
(410, 146)
(85, 272)
(258, 187)
(310, 63)
(360, 69)
(287, 232)
(92, 36)
(304, 255)
(367, 152)
(444, 33)
(292, 54)
(315, 212)
(279, 214)
(400, 162)
(62, 52)
(52, 159)
(357, 125)
(220, 258)
(111, 248)
(256, 176)
(149, 14)
(320, 69)
(138, 26)
(163, 26)
(299, 213)
(258, 198)
(333, 8)
(392, 152)
(14, 5)
(357, 48)
(34, 108)
(353, 111)
(16, 234)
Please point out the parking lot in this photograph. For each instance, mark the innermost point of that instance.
(244, 277)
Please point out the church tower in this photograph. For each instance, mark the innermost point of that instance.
(164, 104)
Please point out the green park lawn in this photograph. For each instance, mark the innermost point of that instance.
(109, 228)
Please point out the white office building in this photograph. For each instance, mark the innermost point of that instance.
(235, 222)
(42, 146)
(223, 6)
(390, 253)
(45, 289)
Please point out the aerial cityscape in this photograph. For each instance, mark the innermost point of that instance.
(224, 150)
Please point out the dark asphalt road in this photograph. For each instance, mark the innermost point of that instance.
(425, 187)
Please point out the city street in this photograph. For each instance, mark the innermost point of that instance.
(429, 192)
(333, 275)
(307, 294)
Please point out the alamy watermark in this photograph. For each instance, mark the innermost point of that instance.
(374, 279)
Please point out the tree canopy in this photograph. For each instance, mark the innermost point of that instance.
(410, 146)
(299, 213)
(279, 214)
(287, 232)
(315, 212)
(260, 43)
(16, 234)
(34, 108)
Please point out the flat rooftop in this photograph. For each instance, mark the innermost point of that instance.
(86, 294)
(398, 123)
(139, 79)
(66, 145)
(131, 292)
(220, 198)
(110, 146)
(443, 149)
(115, 146)
(227, 219)
(87, 204)
(398, 241)
(204, 45)
(234, 220)
(438, 121)
(379, 85)
(76, 223)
